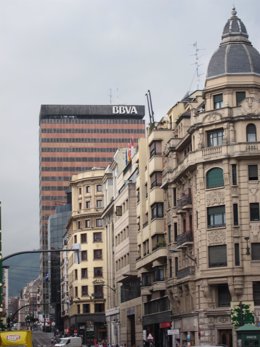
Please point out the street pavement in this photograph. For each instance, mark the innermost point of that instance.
(41, 339)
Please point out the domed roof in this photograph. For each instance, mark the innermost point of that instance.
(235, 55)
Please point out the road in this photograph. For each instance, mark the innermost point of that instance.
(41, 339)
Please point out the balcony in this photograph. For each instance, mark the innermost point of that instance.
(210, 153)
(187, 271)
(185, 202)
(160, 244)
(184, 239)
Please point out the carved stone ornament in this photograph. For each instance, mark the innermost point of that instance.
(216, 198)
(212, 117)
(250, 105)
(216, 237)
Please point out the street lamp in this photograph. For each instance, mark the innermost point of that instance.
(247, 245)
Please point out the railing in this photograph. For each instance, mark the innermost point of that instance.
(184, 200)
(183, 238)
(187, 271)
(156, 306)
(159, 245)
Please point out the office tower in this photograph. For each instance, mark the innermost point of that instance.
(76, 138)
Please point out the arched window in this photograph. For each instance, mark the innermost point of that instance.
(251, 133)
(215, 178)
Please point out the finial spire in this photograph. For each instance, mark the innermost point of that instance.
(234, 12)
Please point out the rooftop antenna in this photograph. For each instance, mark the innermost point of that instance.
(110, 96)
(150, 106)
(117, 95)
(197, 64)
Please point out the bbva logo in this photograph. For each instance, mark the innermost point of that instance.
(124, 110)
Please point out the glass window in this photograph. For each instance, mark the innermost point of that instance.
(155, 148)
(215, 178)
(256, 293)
(215, 138)
(217, 256)
(87, 189)
(255, 248)
(251, 133)
(235, 214)
(84, 290)
(99, 308)
(99, 222)
(216, 216)
(97, 237)
(224, 297)
(98, 272)
(87, 223)
(84, 255)
(98, 291)
(157, 210)
(240, 96)
(252, 172)
(87, 204)
(86, 308)
(84, 273)
(156, 179)
(254, 211)
(97, 254)
(99, 203)
(237, 254)
(234, 174)
(218, 101)
(99, 188)
(83, 238)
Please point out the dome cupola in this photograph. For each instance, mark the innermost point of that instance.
(235, 55)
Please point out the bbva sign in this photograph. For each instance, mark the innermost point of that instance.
(124, 109)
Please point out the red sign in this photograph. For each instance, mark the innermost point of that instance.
(165, 325)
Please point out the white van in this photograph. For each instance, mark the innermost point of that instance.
(72, 341)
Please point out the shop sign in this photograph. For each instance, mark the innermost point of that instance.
(173, 332)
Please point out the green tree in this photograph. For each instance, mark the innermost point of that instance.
(241, 315)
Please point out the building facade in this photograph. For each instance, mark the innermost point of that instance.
(211, 180)
(87, 277)
(124, 309)
(57, 225)
(74, 139)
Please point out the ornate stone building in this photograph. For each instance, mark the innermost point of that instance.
(211, 179)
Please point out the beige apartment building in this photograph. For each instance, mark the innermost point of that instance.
(211, 181)
(86, 278)
(123, 313)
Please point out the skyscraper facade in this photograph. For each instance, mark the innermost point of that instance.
(75, 138)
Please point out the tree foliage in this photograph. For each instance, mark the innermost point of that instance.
(241, 315)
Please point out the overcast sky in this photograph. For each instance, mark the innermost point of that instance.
(75, 52)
